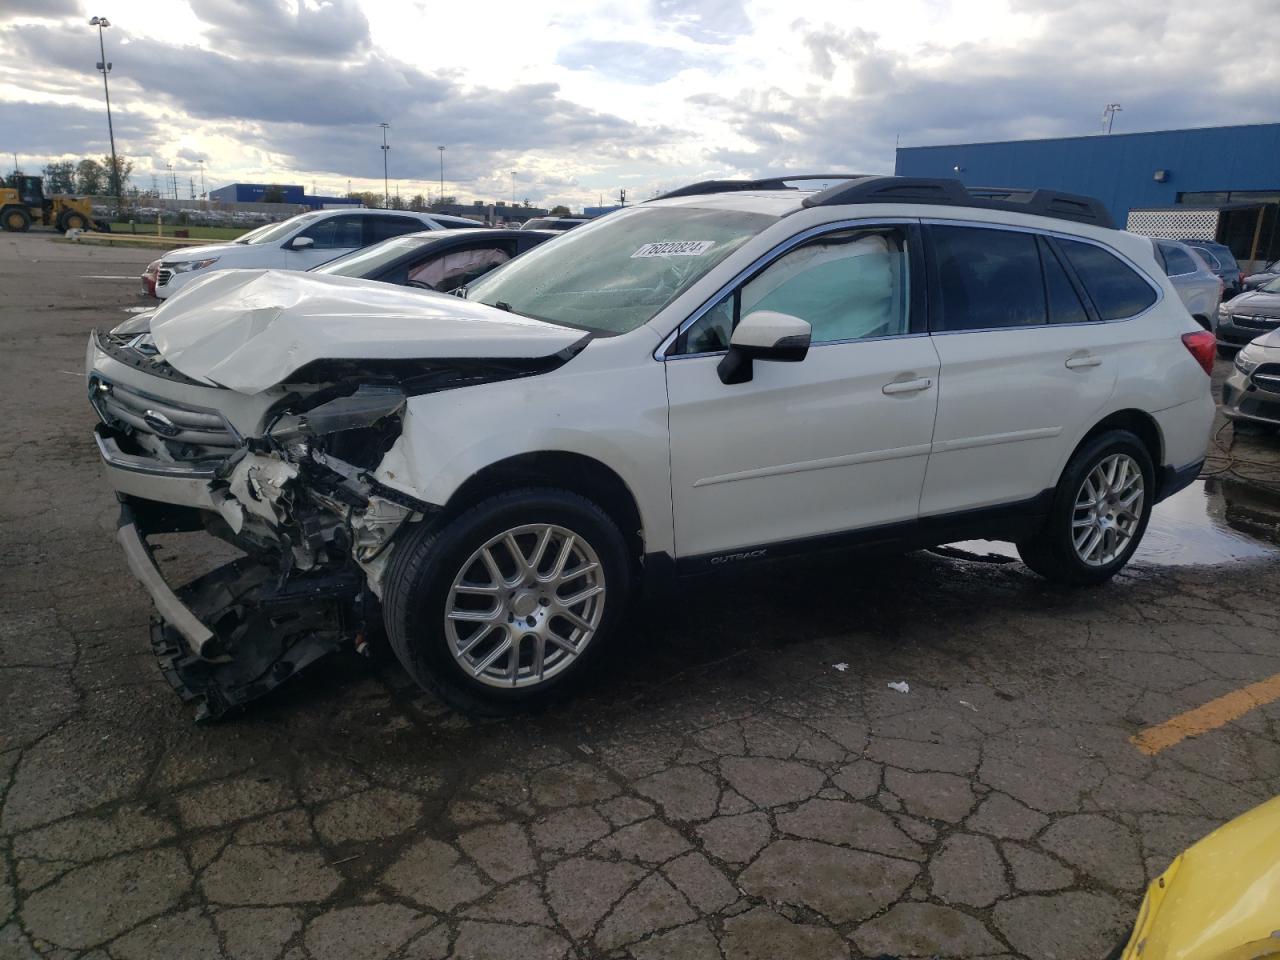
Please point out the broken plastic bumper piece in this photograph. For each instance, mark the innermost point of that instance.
(238, 632)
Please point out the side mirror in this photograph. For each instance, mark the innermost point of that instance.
(301, 243)
(763, 335)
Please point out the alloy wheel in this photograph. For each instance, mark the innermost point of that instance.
(525, 605)
(1108, 510)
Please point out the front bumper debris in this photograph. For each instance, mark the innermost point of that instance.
(235, 634)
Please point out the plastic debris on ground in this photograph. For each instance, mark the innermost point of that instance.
(842, 667)
(900, 685)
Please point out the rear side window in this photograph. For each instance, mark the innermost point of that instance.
(1114, 287)
(1218, 256)
(1176, 260)
(1064, 302)
(384, 228)
(987, 279)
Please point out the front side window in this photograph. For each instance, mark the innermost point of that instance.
(614, 274)
(1117, 291)
(274, 232)
(849, 285)
(336, 233)
(987, 279)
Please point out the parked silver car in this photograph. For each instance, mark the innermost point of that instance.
(1268, 273)
(1248, 316)
(1198, 286)
(1252, 391)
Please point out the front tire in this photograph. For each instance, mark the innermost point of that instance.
(15, 220)
(511, 604)
(1099, 513)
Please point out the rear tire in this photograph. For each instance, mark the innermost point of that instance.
(15, 219)
(455, 599)
(1099, 513)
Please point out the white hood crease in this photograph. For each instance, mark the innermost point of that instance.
(251, 329)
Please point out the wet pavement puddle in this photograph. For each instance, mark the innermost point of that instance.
(1210, 522)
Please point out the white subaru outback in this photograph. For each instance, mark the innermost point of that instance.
(733, 372)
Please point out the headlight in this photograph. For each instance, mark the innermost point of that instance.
(186, 266)
(1247, 361)
(1224, 310)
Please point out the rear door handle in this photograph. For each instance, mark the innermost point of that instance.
(1075, 363)
(906, 386)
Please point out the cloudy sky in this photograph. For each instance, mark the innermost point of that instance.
(580, 99)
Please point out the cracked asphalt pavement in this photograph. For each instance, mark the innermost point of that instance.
(723, 791)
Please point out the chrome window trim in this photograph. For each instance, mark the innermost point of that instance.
(660, 353)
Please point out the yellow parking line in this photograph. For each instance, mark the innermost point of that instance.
(1212, 715)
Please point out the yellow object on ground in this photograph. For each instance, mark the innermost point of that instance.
(1220, 899)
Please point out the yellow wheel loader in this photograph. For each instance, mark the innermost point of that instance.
(22, 203)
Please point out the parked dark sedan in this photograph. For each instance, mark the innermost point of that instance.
(440, 260)
(1249, 315)
(1264, 276)
(1222, 262)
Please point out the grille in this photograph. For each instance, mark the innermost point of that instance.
(118, 404)
(1267, 377)
(163, 276)
(1256, 323)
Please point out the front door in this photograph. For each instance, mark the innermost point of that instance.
(836, 442)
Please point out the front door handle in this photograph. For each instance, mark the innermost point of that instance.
(906, 386)
(1076, 363)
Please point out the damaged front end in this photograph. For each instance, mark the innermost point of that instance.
(258, 406)
(300, 501)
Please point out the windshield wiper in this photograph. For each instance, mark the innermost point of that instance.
(503, 305)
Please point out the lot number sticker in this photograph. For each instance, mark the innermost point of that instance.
(674, 248)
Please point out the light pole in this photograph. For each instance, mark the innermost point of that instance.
(204, 195)
(441, 149)
(513, 188)
(386, 190)
(102, 23)
(1109, 114)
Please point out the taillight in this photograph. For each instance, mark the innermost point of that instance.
(1203, 346)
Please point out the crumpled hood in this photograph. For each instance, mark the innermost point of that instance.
(251, 329)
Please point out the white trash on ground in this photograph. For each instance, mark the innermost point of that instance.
(900, 685)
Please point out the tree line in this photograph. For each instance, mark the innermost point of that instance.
(88, 176)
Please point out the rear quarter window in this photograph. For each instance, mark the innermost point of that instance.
(1116, 289)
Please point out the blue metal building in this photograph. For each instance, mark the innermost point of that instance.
(1225, 168)
(292, 193)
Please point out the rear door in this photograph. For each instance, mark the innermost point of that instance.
(1027, 359)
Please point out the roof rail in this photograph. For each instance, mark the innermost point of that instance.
(768, 183)
(952, 193)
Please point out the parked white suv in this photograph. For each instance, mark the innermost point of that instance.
(736, 371)
(299, 243)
